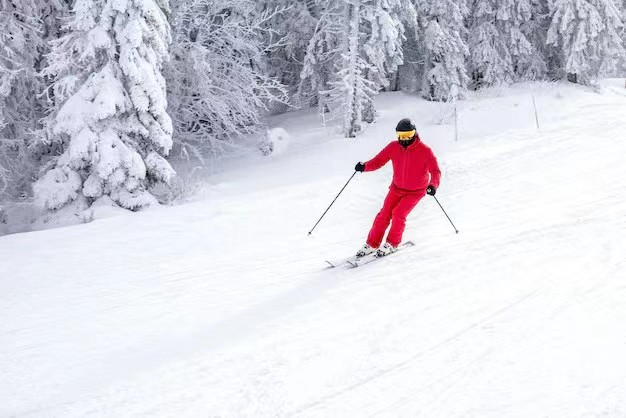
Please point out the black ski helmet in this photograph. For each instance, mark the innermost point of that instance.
(405, 125)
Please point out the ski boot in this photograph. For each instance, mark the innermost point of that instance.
(386, 249)
(365, 250)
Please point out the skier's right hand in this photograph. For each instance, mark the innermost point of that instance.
(359, 167)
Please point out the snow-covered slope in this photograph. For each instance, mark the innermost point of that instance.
(223, 307)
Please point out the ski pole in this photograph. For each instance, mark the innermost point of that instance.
(346, 185)
(455, 230)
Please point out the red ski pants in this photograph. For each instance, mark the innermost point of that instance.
(398, 204)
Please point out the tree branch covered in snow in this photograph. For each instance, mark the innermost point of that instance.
(288, 33)
(218, 81)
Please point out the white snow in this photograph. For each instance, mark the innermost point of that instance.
(276, 143)
(223, 307)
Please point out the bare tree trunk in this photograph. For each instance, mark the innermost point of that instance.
(395, 81)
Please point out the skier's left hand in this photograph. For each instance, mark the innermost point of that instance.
(431, 190)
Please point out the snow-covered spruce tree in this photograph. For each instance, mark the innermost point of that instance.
(110, 115)
(349, 87)
(624, 33)
(516, 20)
(25, 28)
(20, 45)
(445, 74)
(384, 23)
(500, 51)
(357, 45)
(218, 79)
(322, 51)
(490, 60)
(587, 33)
(533, 64)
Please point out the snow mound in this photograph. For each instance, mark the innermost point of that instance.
(276, 142)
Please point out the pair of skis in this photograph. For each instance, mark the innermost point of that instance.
(354, 261)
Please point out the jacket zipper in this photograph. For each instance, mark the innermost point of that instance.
(405, 150)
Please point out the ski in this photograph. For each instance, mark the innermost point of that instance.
(360, 262)
(348, 260)
(354, 261)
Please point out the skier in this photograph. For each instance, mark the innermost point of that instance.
(415, 174)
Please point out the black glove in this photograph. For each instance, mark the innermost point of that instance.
(359, 167)
(431, 190)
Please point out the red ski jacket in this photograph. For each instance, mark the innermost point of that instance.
(414, 167)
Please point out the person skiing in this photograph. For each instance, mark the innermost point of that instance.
(415, 174)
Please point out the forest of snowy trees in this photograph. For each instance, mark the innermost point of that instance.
(98, 96)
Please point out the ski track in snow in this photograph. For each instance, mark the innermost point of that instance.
(224, 308)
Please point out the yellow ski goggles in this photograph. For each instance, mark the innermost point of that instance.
(405, 135)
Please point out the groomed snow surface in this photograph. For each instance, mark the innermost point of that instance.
(223, 307)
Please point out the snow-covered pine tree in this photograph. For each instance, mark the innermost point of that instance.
(321, 53)
(624, 34)
(19, 40)
(500, 51)
(520, 21)
(25, 27)
(445, 74)
(357, 45)
(219, 85)
(110, 114)
(624, 19)
(587, 32)
(54, 14)
(490, 60)
(384, 26)
(534, 65)
(350, 88)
